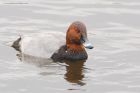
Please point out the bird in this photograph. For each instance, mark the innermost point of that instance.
(56, 45)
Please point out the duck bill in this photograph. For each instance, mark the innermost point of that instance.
(88, 45)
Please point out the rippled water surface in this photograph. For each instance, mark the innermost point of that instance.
(113, 65)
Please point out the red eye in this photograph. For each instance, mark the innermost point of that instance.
(78, 31)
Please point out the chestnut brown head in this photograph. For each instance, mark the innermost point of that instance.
(77, 35)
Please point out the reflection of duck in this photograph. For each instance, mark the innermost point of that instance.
(76, 40)
(37, 61)
(74, 72)
(74, 69)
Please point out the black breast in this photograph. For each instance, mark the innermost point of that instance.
(63, 54)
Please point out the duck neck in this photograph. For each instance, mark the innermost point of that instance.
(76, 48)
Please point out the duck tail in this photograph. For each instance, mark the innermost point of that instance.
(16, 43)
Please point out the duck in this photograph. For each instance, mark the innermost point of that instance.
(69, 47)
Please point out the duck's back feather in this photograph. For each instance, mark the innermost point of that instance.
(40, 45)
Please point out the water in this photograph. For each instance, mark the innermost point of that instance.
(113, 28)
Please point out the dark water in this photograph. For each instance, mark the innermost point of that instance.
(113, 65)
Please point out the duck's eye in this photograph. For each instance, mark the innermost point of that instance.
(82, 39)
(78, 31)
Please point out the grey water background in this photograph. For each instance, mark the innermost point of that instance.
(113, 65)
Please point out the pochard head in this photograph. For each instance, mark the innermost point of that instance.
(77, 36)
